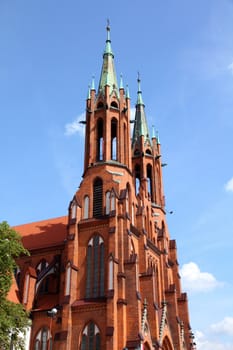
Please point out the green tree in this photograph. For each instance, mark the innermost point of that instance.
(13, 317)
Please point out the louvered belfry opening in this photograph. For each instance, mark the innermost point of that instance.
(97, 198)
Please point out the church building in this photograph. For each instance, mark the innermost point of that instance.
(106, 275)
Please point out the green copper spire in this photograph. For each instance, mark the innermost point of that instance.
(157, 136)
(108, 48)
(127, 92)
(140, 125)
(89, 93)
(108, 73)
(153, 132)
(93, 83)
(121, 82)
(139, 99)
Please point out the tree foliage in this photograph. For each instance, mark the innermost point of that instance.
(13, 317)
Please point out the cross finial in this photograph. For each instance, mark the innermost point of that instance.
(139, 81)
(108, 30)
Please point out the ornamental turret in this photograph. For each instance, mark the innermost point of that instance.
(108, 118)
(146, 157)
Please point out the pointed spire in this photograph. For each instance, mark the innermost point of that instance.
(108, 73)
(153, 132)
(121, 82)
(140, 125)
(108, 48)
(89, 93)
(93, 83)
(139, 99)
(157, 136)
(127, 95)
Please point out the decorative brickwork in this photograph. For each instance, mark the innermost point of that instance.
(108, 268)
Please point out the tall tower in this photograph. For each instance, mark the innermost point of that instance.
(106, 276)
(122, 285)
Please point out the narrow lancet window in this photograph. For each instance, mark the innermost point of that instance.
(107, 202)
(95, 268)
(91, 338)
(113, 201)
(114, 139)
(137, 178)
(110, 279)
(68, 279)
(26, 289)
(100, 140)
(73, 210)
(149, 180)
(86, 208)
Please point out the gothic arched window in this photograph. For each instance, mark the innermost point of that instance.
(107, 202)
(26, 288)
(132, 215)
(43, 339)
(112, 201)
(137, 178)
(100, 105)
(149, 179)
(114, 104)
(100, 140)
(127, 201)
(68, 279)
(91, 337)
(86, 208)
(95, 268)
(44, 285)
(110, 274)
(97, 197)
(114, 139)
(73, 210)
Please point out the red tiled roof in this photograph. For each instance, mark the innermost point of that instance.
(42, 234)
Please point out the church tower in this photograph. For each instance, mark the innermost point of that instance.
(106, 276)
(122, 285)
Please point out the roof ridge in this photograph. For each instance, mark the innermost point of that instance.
(40, 221)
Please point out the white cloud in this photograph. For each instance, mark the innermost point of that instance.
(193, 280)
(209, 343)
(75, 126)
(229, 185)
(230, 67)
(223, 327)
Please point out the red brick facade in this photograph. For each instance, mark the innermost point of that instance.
(109, 266)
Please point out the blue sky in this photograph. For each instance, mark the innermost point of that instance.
(49, 51)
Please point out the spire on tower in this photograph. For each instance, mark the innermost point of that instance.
(89, 92)
(108, 73)
(127, 95)
(140, 125)
(93, 83)
(139, 99)
(121, 82)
